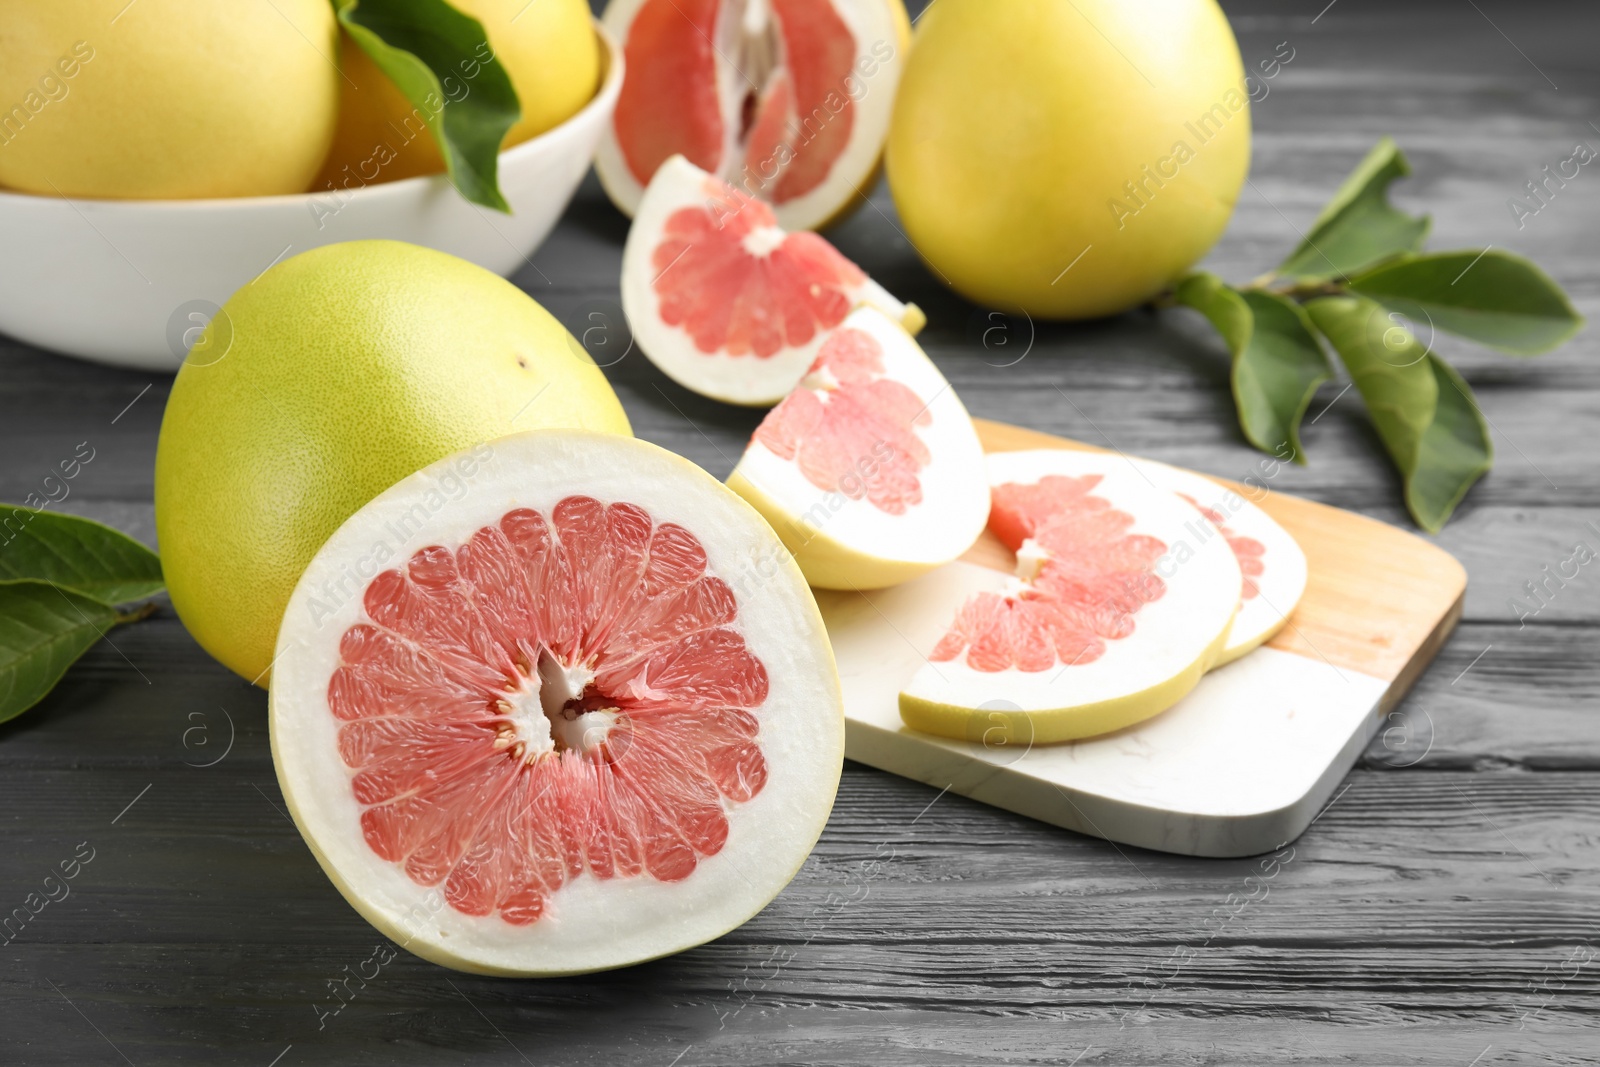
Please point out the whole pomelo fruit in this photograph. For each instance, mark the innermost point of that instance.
(165, 99)
(319, 385)
(550, 52)
(1032, 132)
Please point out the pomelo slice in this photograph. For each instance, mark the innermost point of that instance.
(787, 99)
(556, 704)
(1125, 598)
(1274, 566)
(870, 470)
(723, 300)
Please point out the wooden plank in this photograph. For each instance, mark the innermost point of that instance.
(978, 919)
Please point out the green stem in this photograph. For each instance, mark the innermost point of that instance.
(143, 611)
(1296, 291)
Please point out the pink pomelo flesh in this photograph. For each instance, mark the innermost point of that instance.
(869, 469)
(564, 693)
(1094, 579)
(725, 300)
(780, 134)
(1250, 552)
(850, 429)
(728, 276)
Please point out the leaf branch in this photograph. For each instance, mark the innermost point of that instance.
(1359, 283)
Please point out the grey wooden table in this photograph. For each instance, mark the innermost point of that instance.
(1444, 910)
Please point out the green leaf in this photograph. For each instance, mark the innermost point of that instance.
(43, 631)
(427, 47)
(1223, 305)
(1493, 297)
(1277, 361)
(1422, 409)
(1359, 227)
(77, 554)
(1456, 450)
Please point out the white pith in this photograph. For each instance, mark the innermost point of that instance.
(1283, 580)
(763, 241)
(955, 488)
(1170, 634)
(538, 719)
(1031, 558)
(751, 50)
(528, 730)
(744, 379)
(589, 923)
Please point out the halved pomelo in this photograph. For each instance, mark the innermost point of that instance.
(723, 300)
(1125, 598)
(870, 470)
(787, 99)
(556, 704)
(1273, 563)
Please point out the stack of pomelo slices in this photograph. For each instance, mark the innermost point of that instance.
(1133, 578)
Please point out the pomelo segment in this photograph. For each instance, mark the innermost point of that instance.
(726, 302)
(1274, 565)
(1125, 599)
(787, 99)
(870, 470)
(556, 704)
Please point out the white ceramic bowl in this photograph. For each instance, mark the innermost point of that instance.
(128, 281)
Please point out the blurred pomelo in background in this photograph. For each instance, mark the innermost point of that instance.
(320, 384)
(549, 50)
(1068, 160)
(787, 100)
(165, 99)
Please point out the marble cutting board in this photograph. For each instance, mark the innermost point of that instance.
(1242, 764)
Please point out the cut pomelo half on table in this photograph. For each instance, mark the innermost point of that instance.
(726, 302)
(787, 99)
(1125, 598)
(1273, 563)
(870, 470)
(556, 704)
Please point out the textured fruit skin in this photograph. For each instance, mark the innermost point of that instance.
(350, 367)
(1018, 124)
(548, 47)
(827, 562)
(177, 99)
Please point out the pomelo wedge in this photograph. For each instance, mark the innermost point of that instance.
(1125, 597)
(787, 99)
(870, 470)
(556, 704)
(1273, 564)
(726, 302)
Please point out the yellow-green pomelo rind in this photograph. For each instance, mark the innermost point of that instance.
(1018, 127)
(827, 562)
(166, 99)
(323, 382)
(1051, 725)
